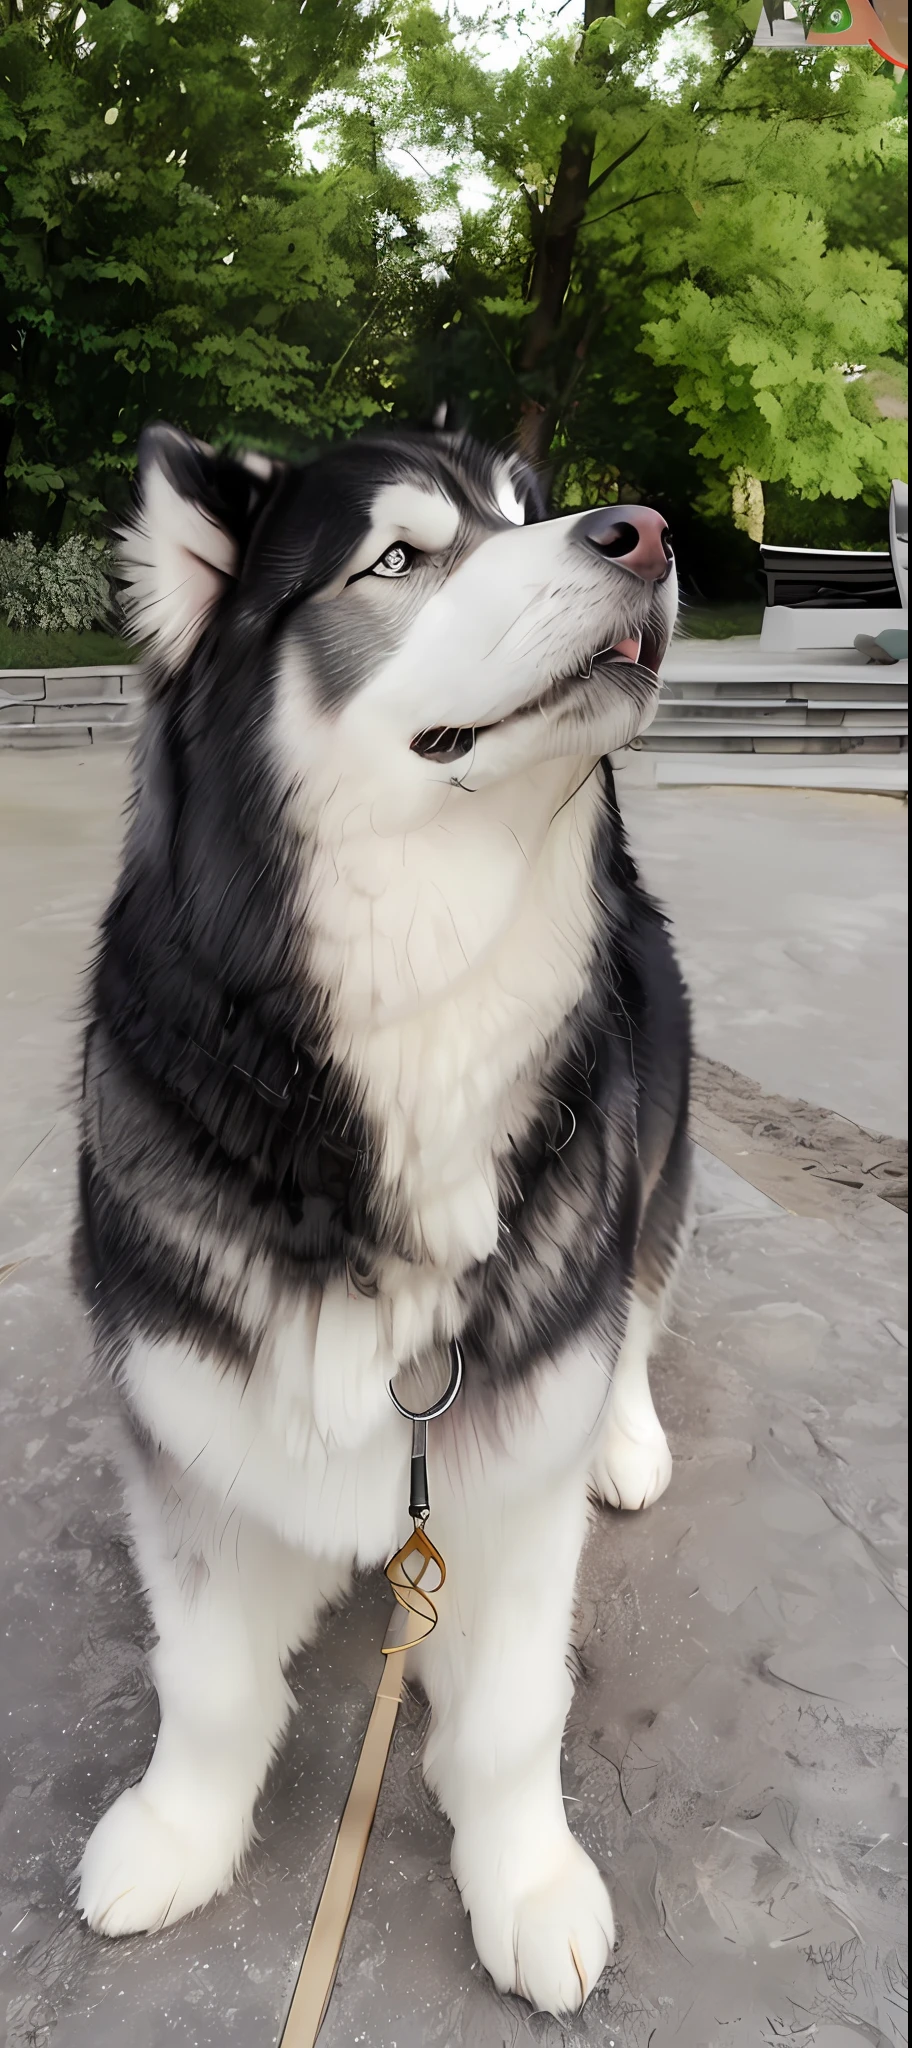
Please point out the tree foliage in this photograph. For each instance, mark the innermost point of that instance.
(674, 276)
(677, 247)
(163, 251)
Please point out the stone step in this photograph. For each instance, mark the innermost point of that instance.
(702, 730)
(69, 685)
(90, 685)
(745, 664)
(723, 697)
(861, 774)
(853, 690)
(733, 738)
(69, 707)
(119, 713)
(790, 717)
(58, 733)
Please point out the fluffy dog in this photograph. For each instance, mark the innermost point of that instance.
(386, 1044)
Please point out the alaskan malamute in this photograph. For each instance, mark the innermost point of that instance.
(386, 1047)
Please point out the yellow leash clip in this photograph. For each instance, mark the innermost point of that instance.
(406, 1571)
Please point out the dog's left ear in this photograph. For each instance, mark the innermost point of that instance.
(530, 492)
(185, 546)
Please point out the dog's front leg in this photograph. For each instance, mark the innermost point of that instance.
(229, 1601)
(497, 1676)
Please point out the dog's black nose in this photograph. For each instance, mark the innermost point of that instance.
(632, 535)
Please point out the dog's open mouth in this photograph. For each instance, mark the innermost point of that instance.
(450, 742)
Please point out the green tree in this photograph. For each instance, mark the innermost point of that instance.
(163, 251)
(673, 269)
(249, 216)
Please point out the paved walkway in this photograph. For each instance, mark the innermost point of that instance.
(735, 1745)
(790, 910)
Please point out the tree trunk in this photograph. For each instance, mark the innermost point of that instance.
(555, 247)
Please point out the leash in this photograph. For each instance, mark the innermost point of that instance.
(405, 1572)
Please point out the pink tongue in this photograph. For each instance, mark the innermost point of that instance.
(630, 649)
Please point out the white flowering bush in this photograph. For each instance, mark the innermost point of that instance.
(54, 588)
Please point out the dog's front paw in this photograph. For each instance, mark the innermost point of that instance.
(631, 1472)
(140, 1872)
(550, 1943)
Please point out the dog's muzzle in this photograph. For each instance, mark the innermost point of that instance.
(631, 537)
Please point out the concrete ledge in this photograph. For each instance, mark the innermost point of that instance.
(784, 627)
(101, 680)
(745, 660)
(77, 734)
(88, 711)
(21, 687)
(58, 707)
(758, 736)
(32, 736)
(83, 685)
(866, 775)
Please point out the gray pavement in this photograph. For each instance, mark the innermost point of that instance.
(735, 1753)
(790, 910)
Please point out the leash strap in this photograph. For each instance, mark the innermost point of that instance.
(317, 1974)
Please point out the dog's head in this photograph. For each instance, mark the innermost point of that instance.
(423, 622)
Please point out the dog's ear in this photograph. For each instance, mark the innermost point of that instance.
(184, 548)
(447, 417)
(530, 491)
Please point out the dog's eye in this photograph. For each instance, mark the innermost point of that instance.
(396, 562)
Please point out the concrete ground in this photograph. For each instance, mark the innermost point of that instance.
(734, 1757)
(790, 913)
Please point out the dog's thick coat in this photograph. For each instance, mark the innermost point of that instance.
(386, 1043)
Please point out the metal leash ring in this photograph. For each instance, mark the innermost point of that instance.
(446, 1399)
(406, 1583)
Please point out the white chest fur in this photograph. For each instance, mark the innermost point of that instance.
(451, 954)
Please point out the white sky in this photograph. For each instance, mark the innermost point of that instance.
(518, 27)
